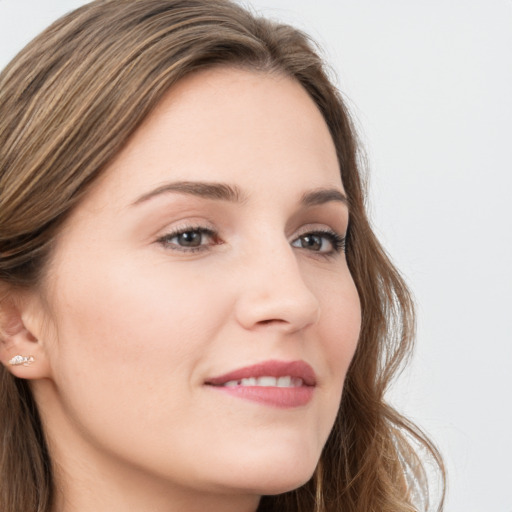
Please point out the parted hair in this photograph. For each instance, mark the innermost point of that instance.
(69, 101)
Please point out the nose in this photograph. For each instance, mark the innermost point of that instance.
(274, 293)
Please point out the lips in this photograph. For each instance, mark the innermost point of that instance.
(273, 383)
(277, 369)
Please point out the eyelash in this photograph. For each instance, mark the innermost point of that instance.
(166, 239)
(337, 241)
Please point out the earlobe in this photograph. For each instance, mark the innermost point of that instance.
(21, 351)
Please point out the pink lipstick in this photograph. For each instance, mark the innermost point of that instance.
(275, 383)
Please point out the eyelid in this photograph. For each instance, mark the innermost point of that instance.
(186, 224)
(337, 240)
(317, 228)
(164, 239)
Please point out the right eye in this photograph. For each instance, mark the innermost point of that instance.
(189, 239)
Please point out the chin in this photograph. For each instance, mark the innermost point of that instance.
(285, 484)
(274, 477)
(269, 463)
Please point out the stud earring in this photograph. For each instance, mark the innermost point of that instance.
(21, 360)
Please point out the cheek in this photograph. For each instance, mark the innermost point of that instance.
(132, 307)
(129, 341)
(137, 324)
(337, 335)
(341, 313)
(340, 331)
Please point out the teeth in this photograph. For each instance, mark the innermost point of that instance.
(281, 382)
(284, 382)
(267, 381)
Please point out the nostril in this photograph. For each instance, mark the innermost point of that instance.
(272, 321)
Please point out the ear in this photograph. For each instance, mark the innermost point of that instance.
(21, 330)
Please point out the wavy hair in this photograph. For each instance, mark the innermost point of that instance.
(69, 102)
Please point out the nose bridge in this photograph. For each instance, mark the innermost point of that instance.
(274, 290)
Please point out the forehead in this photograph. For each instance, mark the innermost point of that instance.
(228, 125)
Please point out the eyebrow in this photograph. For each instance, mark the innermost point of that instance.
(323, 195)
(218, 191)
(225, 192)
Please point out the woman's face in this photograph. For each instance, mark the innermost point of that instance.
(210, 251)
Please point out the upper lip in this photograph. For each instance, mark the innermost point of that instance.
(272, 368)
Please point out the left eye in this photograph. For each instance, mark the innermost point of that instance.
(320, 241)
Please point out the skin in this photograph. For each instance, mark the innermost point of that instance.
(127, 326)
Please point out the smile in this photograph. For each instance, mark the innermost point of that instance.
(272, 383)
(267, 381)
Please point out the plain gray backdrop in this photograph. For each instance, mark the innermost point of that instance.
(429, 84)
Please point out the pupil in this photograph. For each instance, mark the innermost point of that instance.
(312, 242)
(190, 239)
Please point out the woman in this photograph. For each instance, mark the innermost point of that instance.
(195, 313)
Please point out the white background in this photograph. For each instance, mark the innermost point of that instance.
(430, 86)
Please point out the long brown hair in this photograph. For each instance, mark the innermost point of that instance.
(68, 103)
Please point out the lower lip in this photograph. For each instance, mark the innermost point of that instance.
(283, 398)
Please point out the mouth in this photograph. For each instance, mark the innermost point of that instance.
(266, 381)
(273, 383)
